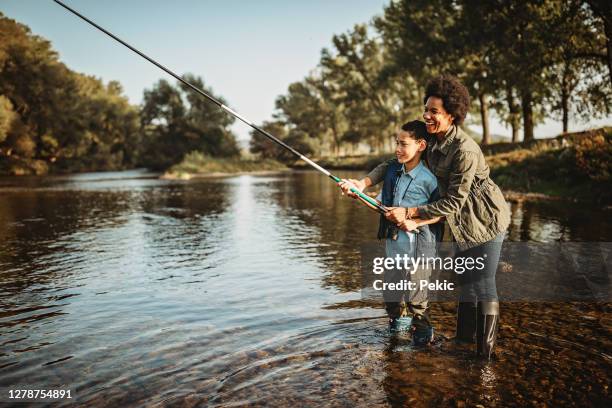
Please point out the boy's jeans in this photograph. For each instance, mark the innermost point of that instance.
(400, 303)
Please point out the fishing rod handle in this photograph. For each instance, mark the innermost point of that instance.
(364, 197)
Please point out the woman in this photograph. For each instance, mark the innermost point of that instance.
(473, 205)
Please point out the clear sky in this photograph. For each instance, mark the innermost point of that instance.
(247, 51)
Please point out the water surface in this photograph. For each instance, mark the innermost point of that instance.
(245, 290)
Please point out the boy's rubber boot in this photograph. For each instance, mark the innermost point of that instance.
(400, 324)
(465, 332)
(422, 336)
(422, 331)
(486, 329)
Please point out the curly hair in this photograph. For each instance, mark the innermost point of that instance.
(455, 96)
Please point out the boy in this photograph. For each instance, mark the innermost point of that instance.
(407, 183)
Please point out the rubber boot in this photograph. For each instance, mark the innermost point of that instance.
(422, 331)
(400, 324)
(422, 336)
(466, 323)
(486, 329)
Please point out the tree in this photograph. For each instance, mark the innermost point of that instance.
(58, 117)
(576, 76)
(603, 12)
(425, 39)
(264, 147)
(303, 110)
(175, 122)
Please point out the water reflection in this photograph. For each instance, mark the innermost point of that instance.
(245, 290)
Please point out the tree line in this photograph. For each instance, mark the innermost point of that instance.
(522, 62)
(55, 119)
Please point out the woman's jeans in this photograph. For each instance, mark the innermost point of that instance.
(478, 282)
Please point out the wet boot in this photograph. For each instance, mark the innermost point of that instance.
(400, 324)
(422, 330)
(486, 330)
(466, 323)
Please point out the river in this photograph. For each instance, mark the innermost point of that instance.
(243, 291)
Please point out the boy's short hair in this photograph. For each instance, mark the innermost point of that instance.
(416, 128)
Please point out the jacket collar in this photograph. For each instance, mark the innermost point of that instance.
(448, 140)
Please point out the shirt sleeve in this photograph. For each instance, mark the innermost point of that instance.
(460, 183)
(378, 173)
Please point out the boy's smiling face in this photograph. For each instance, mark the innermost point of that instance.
(407, 148)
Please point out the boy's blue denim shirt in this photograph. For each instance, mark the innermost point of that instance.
(414, 188)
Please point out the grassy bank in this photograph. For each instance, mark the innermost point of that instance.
(196, 164)
(576, 166)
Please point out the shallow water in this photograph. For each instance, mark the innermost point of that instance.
(239, 291)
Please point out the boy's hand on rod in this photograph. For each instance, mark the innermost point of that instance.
(346, 185)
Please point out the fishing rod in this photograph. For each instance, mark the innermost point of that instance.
(363, 197)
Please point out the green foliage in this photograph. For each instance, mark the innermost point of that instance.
(54, 118)
(7, 116)
(593, 156)
(265, 148)
(581, 168)
(526, 61)
(176, 121)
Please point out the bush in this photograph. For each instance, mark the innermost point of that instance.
(198, 163)
(593, 156)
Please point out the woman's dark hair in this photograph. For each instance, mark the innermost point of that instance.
(416, 128)
(455, 96)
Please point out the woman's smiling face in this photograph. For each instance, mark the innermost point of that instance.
(437, 119)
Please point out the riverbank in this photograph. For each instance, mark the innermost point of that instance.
(198, 165)
(575, 166)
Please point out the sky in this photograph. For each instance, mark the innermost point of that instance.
(247, 51)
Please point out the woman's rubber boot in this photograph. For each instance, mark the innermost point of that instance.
(465, 332)
(486, 330)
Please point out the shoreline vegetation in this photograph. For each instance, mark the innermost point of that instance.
(574, 166)
(54, 120)
(198, 165)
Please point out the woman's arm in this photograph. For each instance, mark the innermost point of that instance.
(411, 225)
(378, 173)
(459, 185)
